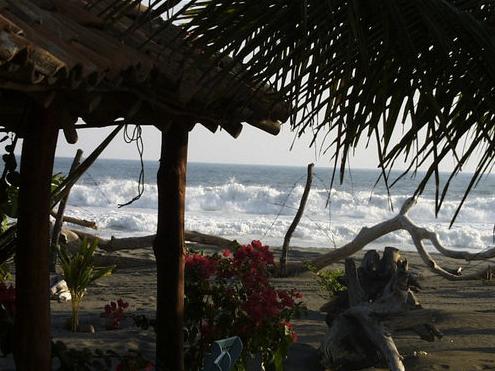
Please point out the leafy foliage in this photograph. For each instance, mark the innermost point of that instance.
(9, 193)
(330, 281)
(79, 271)
(416, 76)
(57, 180)
(5, 273)
(230, 294)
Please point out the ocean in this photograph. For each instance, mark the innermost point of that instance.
(246, 202)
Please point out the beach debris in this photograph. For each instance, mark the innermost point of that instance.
(379, 301)
(86, 327)
(140, 242)
(420, 353)
(285, 248)
(59, 290)
(402, 222)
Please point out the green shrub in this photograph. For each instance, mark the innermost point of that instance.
(5, 274)
(329, 281)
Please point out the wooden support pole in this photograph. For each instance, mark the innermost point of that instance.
(32, 332)
(169, 248)
(295, 222)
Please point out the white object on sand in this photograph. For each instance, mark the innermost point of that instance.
(59, 289)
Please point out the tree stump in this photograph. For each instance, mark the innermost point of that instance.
(378, 301)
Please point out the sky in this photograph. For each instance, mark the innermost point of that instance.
(253, 146)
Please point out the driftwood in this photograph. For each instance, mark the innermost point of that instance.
(77, 221)
(418, 234)
(378, 300)
(81, 222)
(295, 222)
(129, 243)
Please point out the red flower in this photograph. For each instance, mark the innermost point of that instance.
(289, 328)
(202, 265)
(286, 299)
(231, 293)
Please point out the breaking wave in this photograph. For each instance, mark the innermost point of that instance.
(245, 211)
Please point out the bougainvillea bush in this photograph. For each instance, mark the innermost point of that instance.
(114, 314)
(230, 294)
(7, 318)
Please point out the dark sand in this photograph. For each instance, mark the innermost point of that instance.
(468, 319)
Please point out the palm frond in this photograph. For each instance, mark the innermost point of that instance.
(361, 69)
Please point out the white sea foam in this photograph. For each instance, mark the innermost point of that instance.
(242, 211)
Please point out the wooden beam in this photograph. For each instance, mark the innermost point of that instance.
(169, 248)
(233, 128)
(272, 127)
(32, 332)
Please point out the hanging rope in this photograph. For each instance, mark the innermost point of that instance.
(9, 157)
(136, 137)
(328, 206)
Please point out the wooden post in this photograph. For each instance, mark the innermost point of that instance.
(295, 222)
(32, 344)
(169, 248)
(59, 218)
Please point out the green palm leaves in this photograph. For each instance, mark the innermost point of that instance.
(79, 271)
(416, 76)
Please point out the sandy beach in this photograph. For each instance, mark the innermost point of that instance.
(467, 316)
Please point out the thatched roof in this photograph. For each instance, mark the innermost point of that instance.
(103, 65)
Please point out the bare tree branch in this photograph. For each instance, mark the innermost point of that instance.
(418, 234)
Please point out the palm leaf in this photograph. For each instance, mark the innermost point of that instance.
(356, 68)
(79, 270)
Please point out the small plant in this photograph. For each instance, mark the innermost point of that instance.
(5, 274)
(114, 313)
(79, 271)
(329, 281)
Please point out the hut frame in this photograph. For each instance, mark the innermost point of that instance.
(61, 60)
